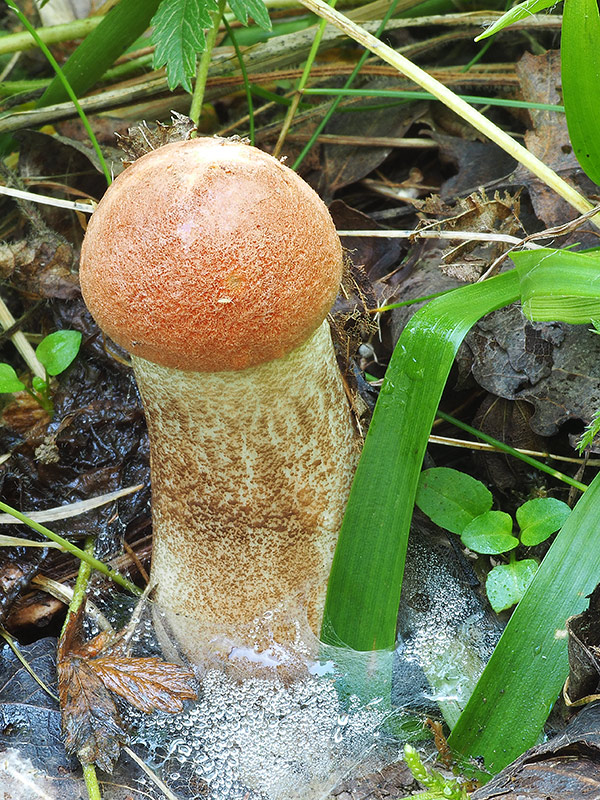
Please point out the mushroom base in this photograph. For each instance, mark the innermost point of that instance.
(251, 472)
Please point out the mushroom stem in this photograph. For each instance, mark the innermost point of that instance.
(251, 470)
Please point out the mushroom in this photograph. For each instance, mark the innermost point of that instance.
(215, 266)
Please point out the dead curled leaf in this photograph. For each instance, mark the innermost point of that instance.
(87, 675)
(149, 684)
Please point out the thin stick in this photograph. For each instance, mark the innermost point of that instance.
(466, 236)
(87, 208)
(72, 509)
(79, 593)
(513, 452)
(492, 448)
(13, 644)
(20, 342)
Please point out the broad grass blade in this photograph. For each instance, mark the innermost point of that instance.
(366, 577)
(118, 30)
(580, 59)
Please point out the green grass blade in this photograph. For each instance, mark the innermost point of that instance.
(580, 69)
(524, 676)
(559, 285)
(332, 109)
(247, 85)
(99, 50)
(71, 548)
(506, 448)
(521, 11)
(413, 94)
(77, 29)
(365, 581)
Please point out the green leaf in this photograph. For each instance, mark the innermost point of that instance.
(39, 384)
(516, 13)
(490, 533)
(507, 583)
(57, 350)
(178, 37)
(452, 499)
(540, 518)
(9, 381)
(255, 8)
(580, 71)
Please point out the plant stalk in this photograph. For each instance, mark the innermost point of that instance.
(204, 64)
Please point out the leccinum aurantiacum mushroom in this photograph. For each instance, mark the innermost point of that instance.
(215, 266)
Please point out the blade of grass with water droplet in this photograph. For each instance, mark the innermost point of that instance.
(365, 581)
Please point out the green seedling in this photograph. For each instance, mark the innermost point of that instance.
(438, 787)
(461, 504)
(55, 353)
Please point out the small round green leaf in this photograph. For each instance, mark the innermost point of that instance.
(451, 498)
(9, 381)
(507, 583)
(57, 350)
(540, 518)
(490, 533)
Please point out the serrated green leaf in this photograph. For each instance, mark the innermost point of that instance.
(178, 37)
(57, 350)
(540, 518)
(451, 498)
(490, 533)
(521, 11)
(507, 583)
(9, 381)
(254, 8)
(580, 73)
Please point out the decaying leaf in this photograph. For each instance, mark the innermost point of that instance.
(42, 263)
(17, 568)
(584, 653)
(149, 684)
(143, 139)
(31, 742)
(548, 139)
(87, 675)
(479, 213)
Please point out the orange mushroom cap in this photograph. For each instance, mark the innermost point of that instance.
(210, 255)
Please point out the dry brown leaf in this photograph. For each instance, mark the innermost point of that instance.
(87, 674)
(149, 684)
(91, 723)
